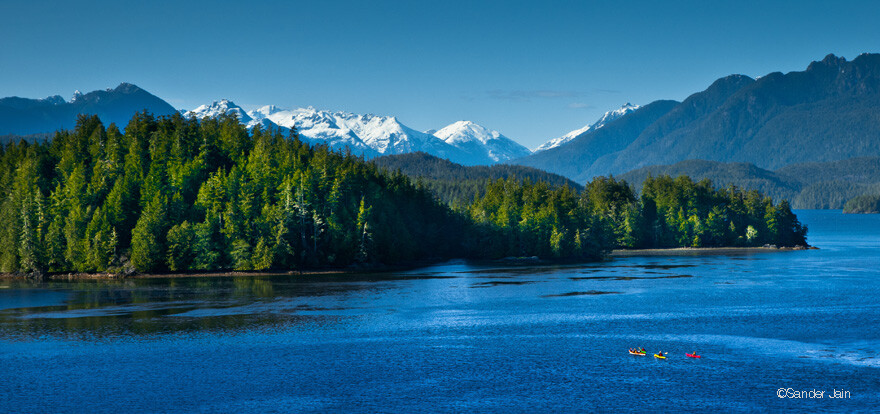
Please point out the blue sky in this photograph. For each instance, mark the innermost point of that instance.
(532, 70)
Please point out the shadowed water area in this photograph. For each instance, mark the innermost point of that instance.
(459, 337)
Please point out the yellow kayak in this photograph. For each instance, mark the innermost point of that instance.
(659, 356)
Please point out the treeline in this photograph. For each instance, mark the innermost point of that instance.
(516, 218)
(825, 185)
(12, 138)
(459, 185)
(560, 222)
(865, 204)
(682, 213)
(177, 194)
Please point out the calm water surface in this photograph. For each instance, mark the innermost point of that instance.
(456, 337)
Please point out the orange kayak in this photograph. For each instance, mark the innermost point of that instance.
(637, 353)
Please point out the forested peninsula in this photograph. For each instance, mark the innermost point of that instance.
(177, 194)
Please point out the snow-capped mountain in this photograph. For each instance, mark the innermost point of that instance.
(372, 135)
(369, 134)
(225, 106)
(217, 108)
(608, 117)
(481, 142)
(316, 127)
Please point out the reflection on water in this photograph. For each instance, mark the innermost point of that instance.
(460, 337)
(94, 308)
(85, 309)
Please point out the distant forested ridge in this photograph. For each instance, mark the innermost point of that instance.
(866, 204)
(175, 194)
(816, 185)
(459, 185)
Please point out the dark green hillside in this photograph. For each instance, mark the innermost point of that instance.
(809, 185)
(856, 170)
(746, 176)
(458, 185)
(866, 204)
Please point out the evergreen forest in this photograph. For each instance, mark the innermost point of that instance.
(177, 194)
(865, 204)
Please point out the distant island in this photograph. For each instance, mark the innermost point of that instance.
(180, 194)
(866, 204)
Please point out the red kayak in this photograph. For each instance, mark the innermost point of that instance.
(693, 355)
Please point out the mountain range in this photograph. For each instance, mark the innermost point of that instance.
(23, 116)
(828, 112)
(463, 142)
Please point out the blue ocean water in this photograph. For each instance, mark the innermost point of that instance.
(459, 337)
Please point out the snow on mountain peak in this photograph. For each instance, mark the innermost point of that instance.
(268, 110)
(481, 141)
(368, 134)
(217, 108)
(373, 135)
(464, 131)
(612, 115)
(604, 120)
